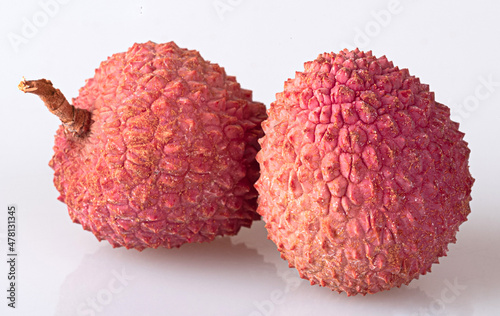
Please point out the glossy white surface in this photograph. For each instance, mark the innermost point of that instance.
(63, 270)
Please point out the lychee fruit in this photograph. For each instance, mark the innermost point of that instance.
(364, 178)
(157, 150)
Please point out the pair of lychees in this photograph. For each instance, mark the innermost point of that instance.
(364, 179)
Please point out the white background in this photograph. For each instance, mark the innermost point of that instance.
(62, 270)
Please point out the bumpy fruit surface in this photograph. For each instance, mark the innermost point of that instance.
(170, 154)
(364, 177)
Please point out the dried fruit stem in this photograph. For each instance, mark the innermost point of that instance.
(76, 121)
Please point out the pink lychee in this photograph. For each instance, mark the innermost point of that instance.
(364, 178)
(157, 150)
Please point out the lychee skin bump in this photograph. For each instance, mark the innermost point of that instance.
(170, 155)
(364, 177)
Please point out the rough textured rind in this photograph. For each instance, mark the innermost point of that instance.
(364, 177)
(170, 155)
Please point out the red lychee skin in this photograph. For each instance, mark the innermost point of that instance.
(364, 177)
(170, 156)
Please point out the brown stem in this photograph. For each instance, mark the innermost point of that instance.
(76, 121)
